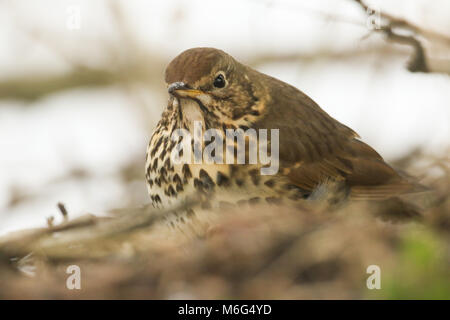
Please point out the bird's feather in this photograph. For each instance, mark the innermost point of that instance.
(315, 148)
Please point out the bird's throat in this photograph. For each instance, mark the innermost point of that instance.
(191, 112)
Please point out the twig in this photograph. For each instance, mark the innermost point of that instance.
(418, 62)
(63, 211)
(397, 22)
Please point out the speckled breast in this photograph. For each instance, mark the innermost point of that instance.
(213, 185)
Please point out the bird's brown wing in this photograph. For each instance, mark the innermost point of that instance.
(315, 148)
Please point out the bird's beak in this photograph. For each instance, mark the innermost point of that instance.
(181, 90)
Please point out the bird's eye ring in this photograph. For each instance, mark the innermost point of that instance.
(219, 81)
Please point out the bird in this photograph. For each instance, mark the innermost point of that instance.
(315, 150)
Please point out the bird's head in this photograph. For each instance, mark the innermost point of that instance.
(210, 85)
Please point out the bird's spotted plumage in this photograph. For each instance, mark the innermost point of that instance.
(314, 148)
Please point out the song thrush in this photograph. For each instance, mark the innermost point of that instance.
(210, 86)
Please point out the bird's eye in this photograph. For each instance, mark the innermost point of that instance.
(219, 81)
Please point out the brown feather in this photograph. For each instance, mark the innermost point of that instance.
(325, 148)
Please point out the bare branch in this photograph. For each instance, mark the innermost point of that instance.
(419, 60)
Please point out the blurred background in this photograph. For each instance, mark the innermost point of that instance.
(82, 86)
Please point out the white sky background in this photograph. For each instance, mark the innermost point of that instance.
(392, 109)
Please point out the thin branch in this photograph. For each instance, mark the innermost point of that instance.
(419, 60)
(396, 22)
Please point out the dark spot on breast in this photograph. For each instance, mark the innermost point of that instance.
(157, 198)
(270, 183)
(233, 170)
(150, 182)
(239, 182)
(171, 192)
(198, 184)
(176, 178)
(168, 165)
(155, 164)
(186, 171)
(254, 200)
(172, 144)
(208, 183)
(254, 175)
(162, 154)
(222, 179)
(190, 212)
(155, 147)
